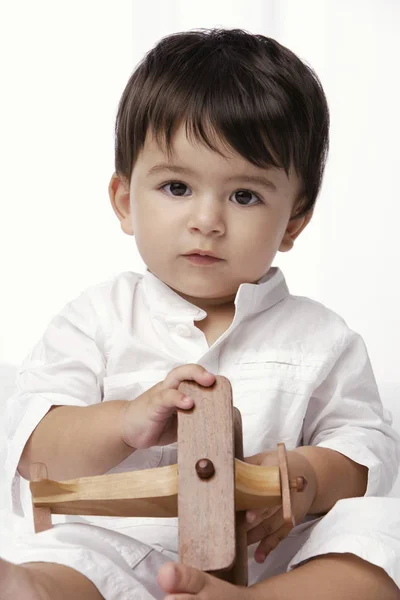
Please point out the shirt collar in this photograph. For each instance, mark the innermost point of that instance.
(251, 298)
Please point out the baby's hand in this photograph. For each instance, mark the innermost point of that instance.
(150, 419)
(266, 525)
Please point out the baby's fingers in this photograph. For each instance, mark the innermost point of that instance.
(255, 516)
(265, 527)
(189, 372)
(166, 402)
(269, 543)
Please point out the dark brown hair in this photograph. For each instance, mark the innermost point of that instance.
(252, 92)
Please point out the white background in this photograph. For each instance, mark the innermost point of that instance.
(63, 68)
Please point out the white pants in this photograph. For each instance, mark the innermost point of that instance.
(124, 568)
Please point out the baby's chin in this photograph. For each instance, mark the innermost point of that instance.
(205, 292)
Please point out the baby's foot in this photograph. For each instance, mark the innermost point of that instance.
(177, 579)
(19, 582)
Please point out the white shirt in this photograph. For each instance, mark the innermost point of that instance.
(299, 375)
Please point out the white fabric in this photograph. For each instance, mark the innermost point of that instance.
(7, 386)
(390, 394)
(123, 568)
(367, 527)
(299, 375)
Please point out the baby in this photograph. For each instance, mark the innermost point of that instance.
(221, 142)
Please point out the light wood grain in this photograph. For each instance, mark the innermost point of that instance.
(144, 493)
(149, 492)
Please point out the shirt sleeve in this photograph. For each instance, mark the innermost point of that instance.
(66, 367)
(346, 414)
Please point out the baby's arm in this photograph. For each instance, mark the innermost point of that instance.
(349, 449)
(337, 477)
(78, 441)
(57, 414)
(346, 431)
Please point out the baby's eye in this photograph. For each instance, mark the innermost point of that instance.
(176, 186)
(243, 196)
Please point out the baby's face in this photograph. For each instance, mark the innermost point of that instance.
(202, 200)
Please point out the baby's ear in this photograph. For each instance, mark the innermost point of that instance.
(118, 190)
(293, 230)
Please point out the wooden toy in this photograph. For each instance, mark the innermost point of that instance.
(209, 489)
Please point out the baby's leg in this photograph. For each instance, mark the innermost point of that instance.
(81, 561)
(343, 576)
(44, 581)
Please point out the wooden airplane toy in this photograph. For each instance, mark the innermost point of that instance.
(209, 489)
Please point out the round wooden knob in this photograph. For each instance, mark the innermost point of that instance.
(298, 484)
(205, 468)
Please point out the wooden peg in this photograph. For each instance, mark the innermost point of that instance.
(298, 484)
(205, 468)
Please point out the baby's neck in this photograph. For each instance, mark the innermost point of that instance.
(218, 320)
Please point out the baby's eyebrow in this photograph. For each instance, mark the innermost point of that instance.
(169, 167)
(259, 179)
